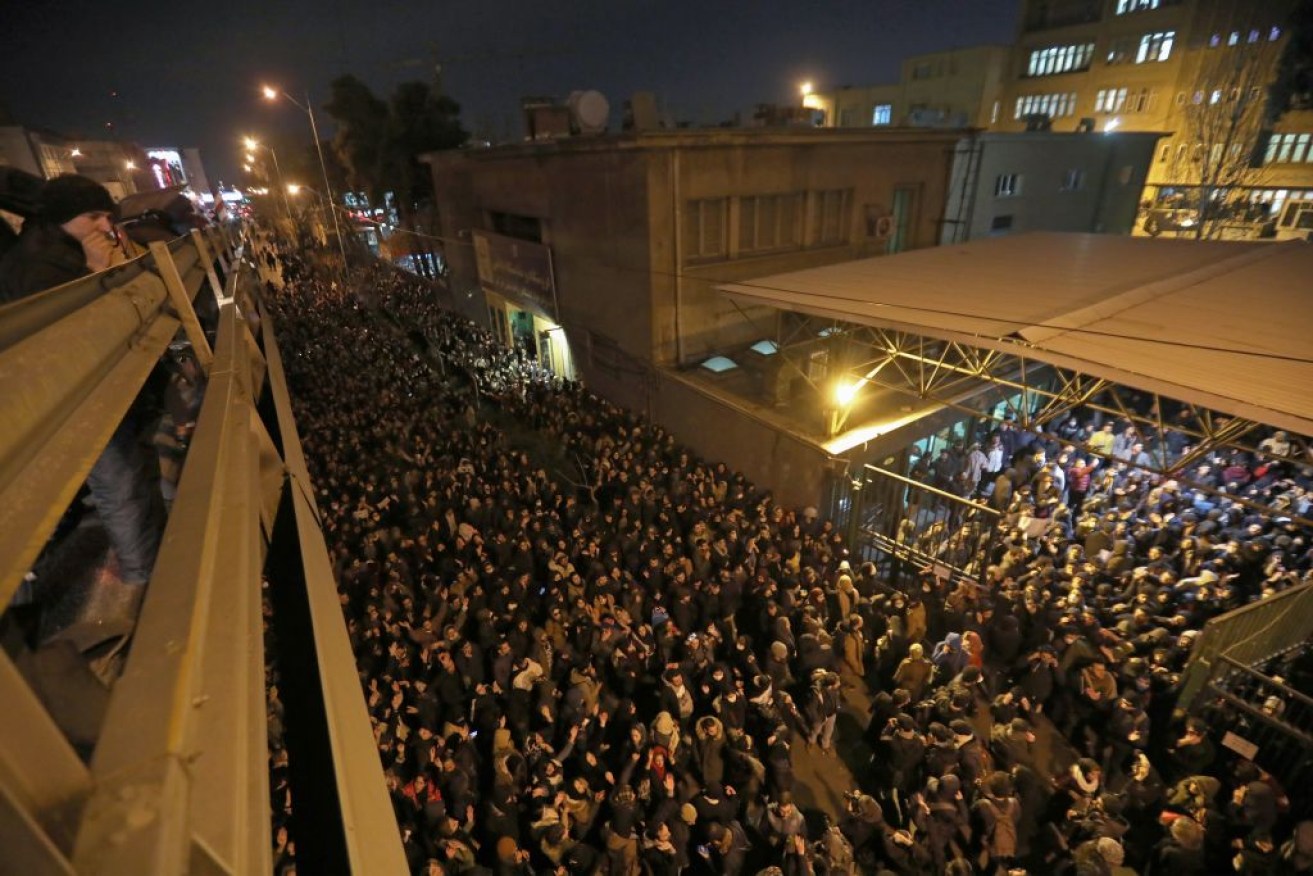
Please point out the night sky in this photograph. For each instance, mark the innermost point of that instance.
(187, 74)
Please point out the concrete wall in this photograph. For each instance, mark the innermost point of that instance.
(797, 472)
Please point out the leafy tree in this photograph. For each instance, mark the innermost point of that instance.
(379, 143)
(420, 120)
(362, 129)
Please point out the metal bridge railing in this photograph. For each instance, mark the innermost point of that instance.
(178, 780)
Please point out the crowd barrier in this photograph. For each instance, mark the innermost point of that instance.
(179, 777)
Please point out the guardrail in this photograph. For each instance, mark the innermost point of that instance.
(178, 781)
(1248, 636)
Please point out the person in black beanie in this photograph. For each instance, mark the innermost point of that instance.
(71, 236)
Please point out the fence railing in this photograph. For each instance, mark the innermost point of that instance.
(178, 779)
(907, 527)
(1249, 636)
(1263, 719)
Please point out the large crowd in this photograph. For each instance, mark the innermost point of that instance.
(616, 676)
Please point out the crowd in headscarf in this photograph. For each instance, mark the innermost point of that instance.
(587, 650)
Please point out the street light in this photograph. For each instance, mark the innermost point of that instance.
(271, 94)
(253, 144)
(130, 165)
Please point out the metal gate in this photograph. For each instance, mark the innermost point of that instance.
(906, 527)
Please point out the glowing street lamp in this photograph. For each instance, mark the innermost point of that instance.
(271, 94)
(75, 152)
(130, 165)
(805, 88)
(246, 167)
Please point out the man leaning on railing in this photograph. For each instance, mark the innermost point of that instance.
(72, 236)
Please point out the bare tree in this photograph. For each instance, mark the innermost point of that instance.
(1221, 123)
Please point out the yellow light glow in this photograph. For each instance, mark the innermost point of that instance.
(293, 188)
(246, 167)
(130, 165)
(269, 93)
(805, 88)
(845, 392)
(76, 153)
(250, 143)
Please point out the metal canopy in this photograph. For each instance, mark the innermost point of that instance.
(1222, 327)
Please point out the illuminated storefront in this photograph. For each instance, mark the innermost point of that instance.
(518, 283)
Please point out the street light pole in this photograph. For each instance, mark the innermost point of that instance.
(328, 188)
(309, 110)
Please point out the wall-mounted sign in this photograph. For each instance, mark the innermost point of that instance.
(517, 269)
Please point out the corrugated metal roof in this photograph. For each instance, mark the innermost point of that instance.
(1224, 325)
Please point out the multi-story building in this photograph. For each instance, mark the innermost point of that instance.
(600, 256)
(1187, 68)
(958, 89)
(1046, 181)
(115, 164)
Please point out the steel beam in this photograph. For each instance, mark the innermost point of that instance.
(145, 741)
(38, 768)
(60, 410)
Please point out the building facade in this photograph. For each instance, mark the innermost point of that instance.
(960, 88)
(119, 166)
(605, 253)
(1046, 181)
(1195, 70)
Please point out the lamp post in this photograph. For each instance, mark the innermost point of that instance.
(295, 189)
(252, 144)
(271, 94)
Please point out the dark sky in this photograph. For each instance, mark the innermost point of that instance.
(188, 73)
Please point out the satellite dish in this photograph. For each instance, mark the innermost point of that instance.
(589, 111)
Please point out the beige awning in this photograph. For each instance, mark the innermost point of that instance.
(1228, 326)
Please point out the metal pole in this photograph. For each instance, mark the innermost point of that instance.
(328, 188)
(282, 185)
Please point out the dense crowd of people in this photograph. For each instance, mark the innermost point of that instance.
(616, 677)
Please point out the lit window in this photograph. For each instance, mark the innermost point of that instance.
(719, 364)
(1156, 46)
(1060, 59)
(765, 347)
(1007, 185)
(1052, 105)
(1215, 97)
(1125, 6)
(1254, 36)
(883, 114)
(1274, 34)
(1234, 38)
(1215, 40)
